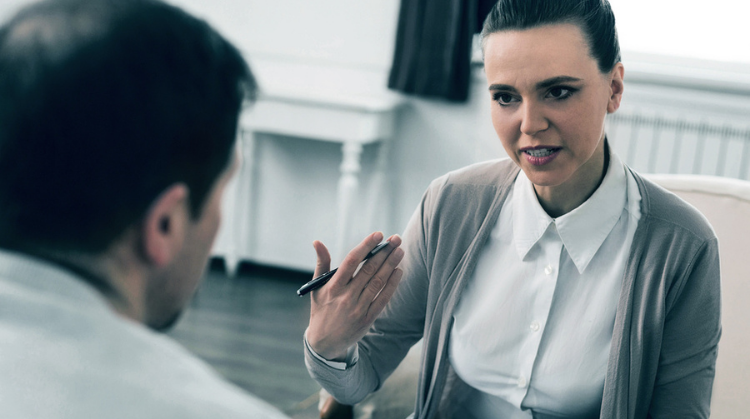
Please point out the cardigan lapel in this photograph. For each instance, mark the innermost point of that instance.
(451, 292)
(622, 381)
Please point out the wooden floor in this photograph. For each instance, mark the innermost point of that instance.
(250, 329)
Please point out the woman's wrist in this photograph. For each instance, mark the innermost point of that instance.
(329, 354)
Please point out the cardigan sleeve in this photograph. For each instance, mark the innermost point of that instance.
(396, 330)
(691, 334)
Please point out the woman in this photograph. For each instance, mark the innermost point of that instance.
(556, 283)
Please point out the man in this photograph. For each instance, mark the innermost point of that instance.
(117, 127)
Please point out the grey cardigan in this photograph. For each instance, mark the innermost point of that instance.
(667, 327)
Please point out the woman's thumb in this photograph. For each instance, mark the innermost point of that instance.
(324, 259)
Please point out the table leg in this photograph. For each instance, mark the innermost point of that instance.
(348, 189)
(241, 215)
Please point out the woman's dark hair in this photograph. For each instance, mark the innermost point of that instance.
(104, 105)
(594, 17)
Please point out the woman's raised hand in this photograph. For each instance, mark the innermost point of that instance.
(344, 309)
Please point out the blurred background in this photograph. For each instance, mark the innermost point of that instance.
(331, 153)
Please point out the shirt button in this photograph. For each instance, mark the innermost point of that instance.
(522, 381)
(548, 270)
(535, 326)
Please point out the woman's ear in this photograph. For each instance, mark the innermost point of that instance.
(616, 87)
(163, 230)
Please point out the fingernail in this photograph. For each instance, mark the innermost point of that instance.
(378, 236)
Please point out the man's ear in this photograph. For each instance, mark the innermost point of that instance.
(163, 231)
(616, 87)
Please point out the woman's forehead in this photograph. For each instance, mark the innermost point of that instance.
(538, 53)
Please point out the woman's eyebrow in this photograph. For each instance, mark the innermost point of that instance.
(544, 84)
(556, 80)
(505, 87)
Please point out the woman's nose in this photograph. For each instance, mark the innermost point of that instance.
(533, 119)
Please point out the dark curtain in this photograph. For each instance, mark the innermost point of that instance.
(433, 47)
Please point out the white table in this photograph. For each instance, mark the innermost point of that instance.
(350, 121)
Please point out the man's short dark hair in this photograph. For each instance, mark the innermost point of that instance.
(103, 105)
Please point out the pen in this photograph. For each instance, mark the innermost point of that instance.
(321, 280)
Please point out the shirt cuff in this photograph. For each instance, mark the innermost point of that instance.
(352, 356)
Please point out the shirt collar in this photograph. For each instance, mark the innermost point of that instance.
(48, 281)
(582, 230)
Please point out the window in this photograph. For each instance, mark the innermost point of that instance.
(717, 30)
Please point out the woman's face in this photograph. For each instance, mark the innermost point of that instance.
(549, 103)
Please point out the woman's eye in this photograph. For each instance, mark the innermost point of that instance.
(503, 98)
(559, 92)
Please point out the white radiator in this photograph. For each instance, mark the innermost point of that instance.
(655, 141)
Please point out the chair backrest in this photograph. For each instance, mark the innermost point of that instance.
(726, 204)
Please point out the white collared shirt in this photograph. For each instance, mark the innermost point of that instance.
(534, 324)
(66, 354)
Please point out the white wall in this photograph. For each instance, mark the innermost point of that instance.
(331, 45)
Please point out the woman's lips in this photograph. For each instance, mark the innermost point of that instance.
(539, 156)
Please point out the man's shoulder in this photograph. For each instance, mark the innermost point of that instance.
(59, 357)
(191, 383)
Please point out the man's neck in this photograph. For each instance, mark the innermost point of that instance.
(113, 278)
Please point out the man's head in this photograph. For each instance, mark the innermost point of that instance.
(109, 109)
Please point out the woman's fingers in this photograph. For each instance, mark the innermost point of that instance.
(354, 258)
(324, 259)
(370, 268)
(385, 294)
(379, 280)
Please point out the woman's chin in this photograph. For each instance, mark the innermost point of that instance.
(544, 176)
(544, 181)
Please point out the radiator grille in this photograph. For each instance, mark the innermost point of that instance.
(651, 142)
